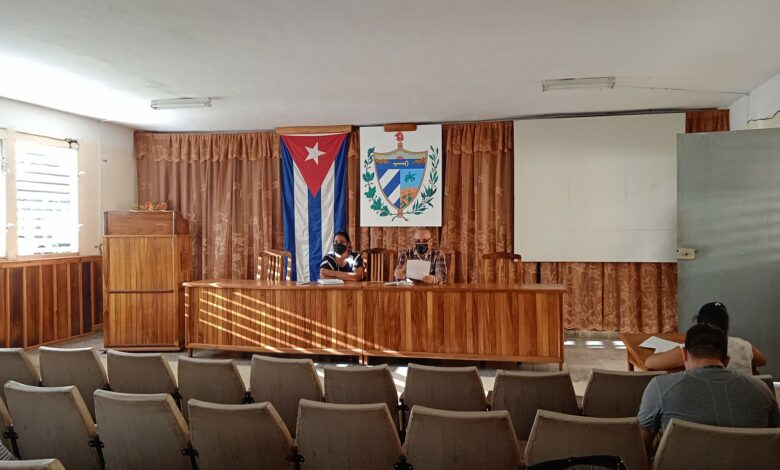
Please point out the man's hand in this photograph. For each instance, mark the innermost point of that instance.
(327, 273)
(400, 273)
(429, 279)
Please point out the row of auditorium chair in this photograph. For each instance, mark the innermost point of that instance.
(449, 426)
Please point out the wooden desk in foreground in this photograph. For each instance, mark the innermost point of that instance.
(636, 355)
(488, 322)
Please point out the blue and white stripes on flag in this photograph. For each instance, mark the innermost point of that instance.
(314, 191)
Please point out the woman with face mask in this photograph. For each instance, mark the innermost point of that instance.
(342, 263)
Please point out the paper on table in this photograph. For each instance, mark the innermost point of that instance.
(417, 269)
(659, 344)
(330, 282)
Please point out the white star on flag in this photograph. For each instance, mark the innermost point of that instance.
(314, 153)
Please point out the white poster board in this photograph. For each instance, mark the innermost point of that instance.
(401, 177)
(598, 189)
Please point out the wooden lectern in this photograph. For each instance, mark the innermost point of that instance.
(146, 257)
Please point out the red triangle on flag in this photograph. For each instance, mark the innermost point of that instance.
(314, 156)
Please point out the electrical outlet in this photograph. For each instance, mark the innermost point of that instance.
(686, 253)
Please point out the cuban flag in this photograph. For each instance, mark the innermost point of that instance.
(314, 189)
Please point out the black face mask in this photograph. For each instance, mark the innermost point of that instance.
(421, 248)
(340, 248)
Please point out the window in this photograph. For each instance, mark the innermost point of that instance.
(46, 198)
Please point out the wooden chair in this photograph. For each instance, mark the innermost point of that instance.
(274, 265)
(508, 268)
(379, 264)
(449, 256)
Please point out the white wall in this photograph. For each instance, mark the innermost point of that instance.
(105, 158)
(600, 189)
(762, 103)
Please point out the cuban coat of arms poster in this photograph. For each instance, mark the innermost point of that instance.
(401, 178)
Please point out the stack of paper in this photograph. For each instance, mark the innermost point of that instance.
(659, 344)
(417, 269)
(330, 282)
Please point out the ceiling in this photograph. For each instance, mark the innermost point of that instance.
(271, 63)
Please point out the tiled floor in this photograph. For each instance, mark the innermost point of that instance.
(584, 351)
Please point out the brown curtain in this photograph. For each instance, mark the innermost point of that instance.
(478, 197)
(714, 120)
(226, 185)
(625, 297)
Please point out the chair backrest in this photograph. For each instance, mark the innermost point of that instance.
(80, 367)
(43, 464)
(210, 380)
(141, 431)
(139, 373)
(239, 436)
(284, 382)
(523, 393)
(53, 422)
(615, 394)
(444, 388)
(274, 265)
(16, 365)
(558, 436)
(5, 425)
(361, 385)
(501, 267)
(449, 258)
(379, 264)
(768, 380)
(349, 437)
(591, 462)
(686, 445)
(454, 440)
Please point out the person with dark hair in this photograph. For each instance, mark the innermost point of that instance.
(342, 263)
(706, 393)
(745, 358)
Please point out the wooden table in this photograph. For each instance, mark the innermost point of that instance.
(636, 355)
(518, 323)
(492, 322)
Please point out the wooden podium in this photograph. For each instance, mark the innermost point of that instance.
(146, 257)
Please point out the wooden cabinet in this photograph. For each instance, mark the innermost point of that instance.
(146, 258)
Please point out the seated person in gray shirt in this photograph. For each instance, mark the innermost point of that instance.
(706, 392)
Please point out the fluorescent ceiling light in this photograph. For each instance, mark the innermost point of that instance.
(177, 103)
(574, 83)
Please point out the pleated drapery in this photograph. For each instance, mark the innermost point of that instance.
(228, 187)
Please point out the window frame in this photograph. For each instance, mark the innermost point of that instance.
(11, 221)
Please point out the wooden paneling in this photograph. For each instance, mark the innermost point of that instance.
(144, 223)
(32, 304)
(62, 300)
(97, 287)
(144, 320)
(18, 328)
(48, 326)
(75, 298)
(5, 320)
(458, 321)
(86, 297)
(144, 298)
(41, 301)
(140, 264)
(314, 321)
(337, 129)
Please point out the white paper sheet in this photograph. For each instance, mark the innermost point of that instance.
(417, 269)
(659, 344)
(330, 282)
